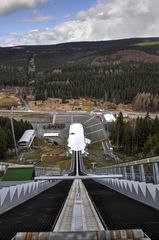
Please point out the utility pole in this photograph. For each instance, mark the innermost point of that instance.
(12, 126)
(37, 126)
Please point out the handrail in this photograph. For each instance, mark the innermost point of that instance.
(136, 162)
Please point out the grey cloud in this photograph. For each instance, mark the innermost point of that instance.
(9, 6)
(107, 20)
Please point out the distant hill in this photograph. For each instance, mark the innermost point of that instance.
(47, 56)
(113, 70)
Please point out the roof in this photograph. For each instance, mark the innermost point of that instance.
(55, 134)
(76, 140)
(27, 135)
(21, 166)
(109, 117)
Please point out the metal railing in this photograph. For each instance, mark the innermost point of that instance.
(144, 170)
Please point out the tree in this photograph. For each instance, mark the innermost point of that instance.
(3, 143)
(119, 129)
(6, 137)
(149, 145)
(127, 138)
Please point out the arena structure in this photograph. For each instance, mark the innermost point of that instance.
(80, 203)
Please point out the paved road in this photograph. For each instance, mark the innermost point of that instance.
(19, 114)
(135, 114)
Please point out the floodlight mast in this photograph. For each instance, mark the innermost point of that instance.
(13, 133)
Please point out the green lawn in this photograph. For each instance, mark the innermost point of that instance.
(18, 174)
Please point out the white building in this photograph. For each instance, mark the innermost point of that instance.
(27, 138)
(109, 117)
(77, 140)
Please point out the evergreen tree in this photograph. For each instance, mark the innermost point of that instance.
(119, 130)
(3, 143)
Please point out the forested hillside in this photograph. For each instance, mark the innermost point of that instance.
(119, 71)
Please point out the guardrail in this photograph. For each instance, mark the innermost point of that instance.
(144, 170)
(53, 170)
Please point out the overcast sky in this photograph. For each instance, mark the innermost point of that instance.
(56, 21)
